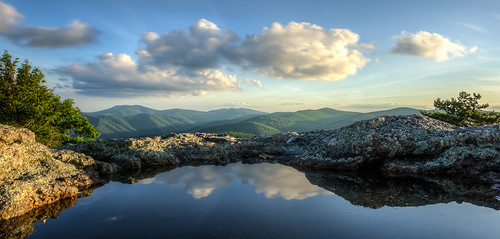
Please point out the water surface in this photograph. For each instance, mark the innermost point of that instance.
(276, 201)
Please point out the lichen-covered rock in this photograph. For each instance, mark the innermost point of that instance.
(33, 175)
(171, 150)
(409, 144)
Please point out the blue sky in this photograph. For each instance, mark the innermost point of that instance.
(265, 55)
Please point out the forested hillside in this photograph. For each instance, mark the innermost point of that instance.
(132, 121)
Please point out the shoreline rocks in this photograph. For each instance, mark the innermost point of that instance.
(409, 145)
(33, 175)
(399, 145)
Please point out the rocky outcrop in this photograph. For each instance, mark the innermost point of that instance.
(33, 175)
(402, 145)
(394, 144)
(171, 150)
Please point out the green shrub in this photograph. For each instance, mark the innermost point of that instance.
(465, 111)
(25, 101)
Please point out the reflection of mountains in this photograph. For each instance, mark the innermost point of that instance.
(378, 191)
(271, 179)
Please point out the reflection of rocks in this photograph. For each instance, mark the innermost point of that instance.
(379, 191)
(271, 179)
(22, 226)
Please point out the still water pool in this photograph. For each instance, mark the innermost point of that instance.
(276, 201)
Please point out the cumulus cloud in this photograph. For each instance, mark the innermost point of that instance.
(303, 51)
(430, 45)
(201, 46)
(296, 50)
(185, 61)
(119, 75)
(74, 34)
(9, 17)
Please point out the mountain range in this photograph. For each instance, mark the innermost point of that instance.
(135, 120)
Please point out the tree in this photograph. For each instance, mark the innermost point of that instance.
(465, 111)
(25, 101)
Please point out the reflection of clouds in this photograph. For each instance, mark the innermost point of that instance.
(271, 179)
(198, 181)
(278, 180)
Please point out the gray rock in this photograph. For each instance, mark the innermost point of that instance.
(33, 175)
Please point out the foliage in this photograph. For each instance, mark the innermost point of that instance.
(25, 101)
(237, 134)
(465, 111)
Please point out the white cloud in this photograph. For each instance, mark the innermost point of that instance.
(430, 45)
(303, 51)
(74, 34)
(297, 50)
(202, 46)
(256, 83)
(9, 17)
(120, 76)
(185, 61)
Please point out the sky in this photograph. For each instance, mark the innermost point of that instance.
(266, 55)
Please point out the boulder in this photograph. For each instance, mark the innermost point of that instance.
(409, 144)
(33, 175)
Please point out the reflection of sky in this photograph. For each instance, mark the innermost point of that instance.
(271, 179)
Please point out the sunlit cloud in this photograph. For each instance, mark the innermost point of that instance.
(430, 45)
(302, 51)
(270, 179)
(293, 103)
(9, 17)
(74, 34)
(186, 61)
(296, 50)
(256, 83)
(120, 76)
(201, 46)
